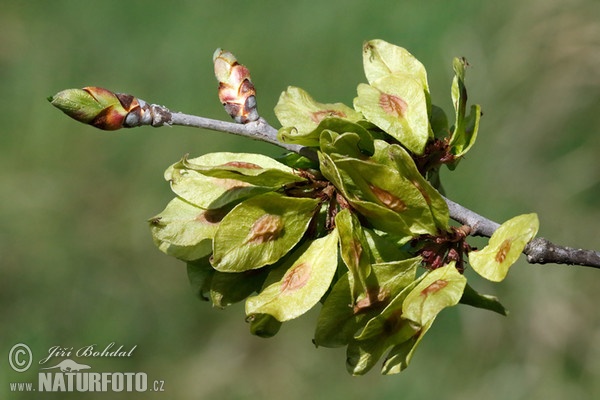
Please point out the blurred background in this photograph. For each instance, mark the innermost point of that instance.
(77, 263)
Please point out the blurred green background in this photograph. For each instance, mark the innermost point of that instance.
(77, 263)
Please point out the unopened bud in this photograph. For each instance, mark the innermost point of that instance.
(102, 108)
(236, 91)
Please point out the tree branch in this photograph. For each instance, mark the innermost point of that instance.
(109, 111)
(480, 226)
(538, 251)
(542, 251)
(257, 130)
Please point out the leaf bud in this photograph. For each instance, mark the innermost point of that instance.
(236, 90)
(102, 108)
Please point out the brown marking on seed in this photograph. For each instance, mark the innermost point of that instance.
(393, 105)
(503, 251)
(296, 278)
(241, 164)
(389, 200)
(267, 228)
(230, 183)
(434, 287)
(319, 116)
(374, 297)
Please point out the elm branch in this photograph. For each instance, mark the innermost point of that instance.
(538, 251)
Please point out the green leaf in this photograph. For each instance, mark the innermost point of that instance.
(297, 161)
(354, 251)
(439, 122)
(263, 325)
(380, 217)
(297, 109)
(400, 355)
(470, 127)
(387, 197)
(331, 172)
(385, 330)
(290, 134)
(398, 105)
(387, 324)
(208, 192)
(227, 288)
(383, 247)
(398, 158)
(472, 298)
(362, 145)
(459, 91)
(349, 144)
(260, 230)
(362, 355)
(295, 287)
(393, 277)
(200, 274)
(436, 290)
(465, 127)
(394, 327)
(337, 321)
(275, 176)
(440, 288)
(185, 231)
(381, 59)
(506, 244)
(388, 286)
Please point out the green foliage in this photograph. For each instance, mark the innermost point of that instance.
(296, 286)
(184, 231)
(260, 230)
(300, 115)
(365, 232)
(465, 127)
(506, 244)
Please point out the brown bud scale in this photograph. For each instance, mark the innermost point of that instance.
(236, 90)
